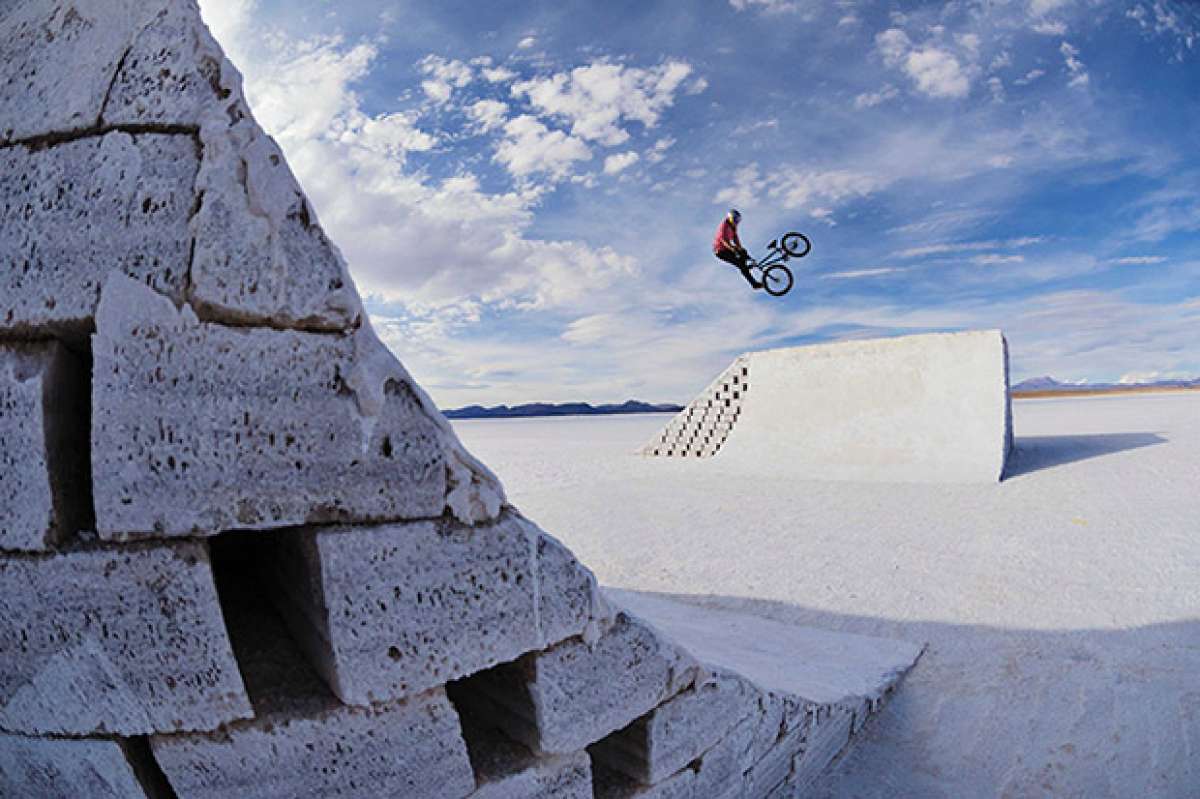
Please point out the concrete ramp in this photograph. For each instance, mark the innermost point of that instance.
(924, 408)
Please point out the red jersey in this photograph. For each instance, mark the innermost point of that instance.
(727, 232)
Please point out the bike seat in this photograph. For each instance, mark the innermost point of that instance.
(772, 245)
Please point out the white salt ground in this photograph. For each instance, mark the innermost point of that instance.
(1061, 607)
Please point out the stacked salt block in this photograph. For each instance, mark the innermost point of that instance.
(241, 553)
(702, 428)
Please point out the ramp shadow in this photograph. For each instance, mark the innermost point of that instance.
(1044, 452)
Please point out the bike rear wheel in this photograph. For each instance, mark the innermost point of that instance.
(795, 244)
(777, 280)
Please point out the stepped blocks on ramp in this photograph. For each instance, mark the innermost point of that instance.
(925, 408)
(241, 552)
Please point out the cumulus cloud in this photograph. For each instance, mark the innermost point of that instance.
(526, 43)
(1075, 67)
(445, 75)
(659, 151)
(934, 70)
(1048, 28)
(1178, 21)
(490, 114)
(811, 190)
(1029, 77)
(619, 162)
(766, 6)
(439, 247)
(597, 99)
(530, 148)
(872, 99)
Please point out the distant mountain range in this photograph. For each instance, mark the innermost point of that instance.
(1049, 384)
(561, 409)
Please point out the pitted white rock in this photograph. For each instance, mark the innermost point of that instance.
(71, 213)
(44, 494)
(56, 768)
(386, 612)
(199, 427)
(124, 642)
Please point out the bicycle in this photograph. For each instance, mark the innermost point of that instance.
(776, 278)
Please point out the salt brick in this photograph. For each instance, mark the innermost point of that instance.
(504, 769)
(62, 768)
(199, 427)
(412, 749)
(388, 611)
(71, 213)
(44, 497)
(576, 693)
(679, 730)
(124, 642)
(57, 60)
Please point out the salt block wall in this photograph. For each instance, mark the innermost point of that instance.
(925, 408)
(241, 552)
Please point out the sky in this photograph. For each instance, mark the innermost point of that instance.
(526, 192)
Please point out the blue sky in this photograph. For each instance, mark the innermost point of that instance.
(526, 192)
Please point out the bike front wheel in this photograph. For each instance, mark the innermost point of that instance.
(777, 280)
(795, 244)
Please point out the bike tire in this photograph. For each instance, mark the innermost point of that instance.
(777, 280)
(795, 244)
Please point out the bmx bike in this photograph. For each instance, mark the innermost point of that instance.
(776, 278)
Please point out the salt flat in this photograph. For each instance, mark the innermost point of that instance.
(1061, 607)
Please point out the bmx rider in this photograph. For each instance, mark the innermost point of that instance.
(728, 247)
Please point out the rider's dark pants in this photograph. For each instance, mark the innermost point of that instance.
(738, 260)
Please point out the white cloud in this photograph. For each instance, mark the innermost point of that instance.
(596, 99)
(969, 246)
(1075, 67)
(445, 75)
(1138, 260)
(526, 43)
(440, 247)
(1029, 77)
(872, 99)
(619, 162)
(992, 259)
(1166, 19)
(855, 274)
(659, 151)
(812, 190)
(935, 71)
(530, 148)
(1050, 28)
(766, 6)
(499, 74)
(1040, 8)
(697, 86)
(893, 45)
(490, 114)
(996, 87)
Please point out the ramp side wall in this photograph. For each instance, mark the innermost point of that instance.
(925, 408)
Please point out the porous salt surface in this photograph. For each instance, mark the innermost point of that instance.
(1061, 606)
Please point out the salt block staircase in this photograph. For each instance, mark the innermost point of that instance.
(241, 552)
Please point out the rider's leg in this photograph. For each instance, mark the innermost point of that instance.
(749, 277)
(740, 261)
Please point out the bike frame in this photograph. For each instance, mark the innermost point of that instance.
(776, 255)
